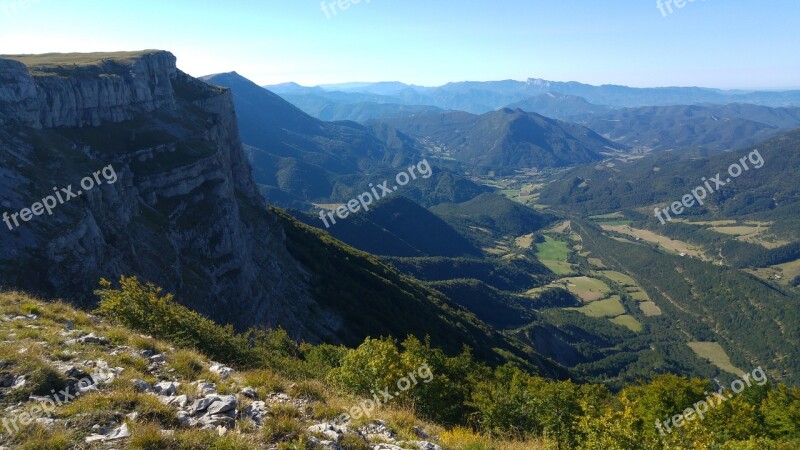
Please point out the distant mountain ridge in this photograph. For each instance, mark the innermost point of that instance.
(506, 140)
(481, 97)
(559, 106)
(711, 127)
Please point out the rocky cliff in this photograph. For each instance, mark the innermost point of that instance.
(183, 211)
(85, 89)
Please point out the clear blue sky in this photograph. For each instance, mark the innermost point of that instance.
(714, 43)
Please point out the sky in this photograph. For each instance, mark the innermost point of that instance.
(744, 44)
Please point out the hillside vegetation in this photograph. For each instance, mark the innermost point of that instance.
(160, 390)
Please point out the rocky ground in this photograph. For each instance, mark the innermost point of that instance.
(70, 380)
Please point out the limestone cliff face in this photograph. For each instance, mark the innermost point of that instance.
(64, 95)
(184, 212)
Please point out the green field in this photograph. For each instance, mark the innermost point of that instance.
(552, 250)
(553, 254)
(597, 262)
(714, 352)
(559, 267)
(640, 296)
(629, 322)
(618, 277)
(610, 307)
(588, 289)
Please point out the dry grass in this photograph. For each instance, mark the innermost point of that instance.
(646, 235)
(650, 309)
(714, 352)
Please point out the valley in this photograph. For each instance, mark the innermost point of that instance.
(251, 285)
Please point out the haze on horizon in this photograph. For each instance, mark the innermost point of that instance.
(734, 44)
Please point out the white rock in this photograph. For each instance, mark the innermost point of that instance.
(223, 405)
(221, 370)
(166, 388)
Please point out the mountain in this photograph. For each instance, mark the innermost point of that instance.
(559, 106)
(167, 195)
(505, 140)
(398, 227)
(710, 127)
(493, 212)
(478, 97)
(310, 154)
(357, 112)
(337, 105)
(768, 192)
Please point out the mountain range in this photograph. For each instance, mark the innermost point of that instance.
(481, 97)
(532, 242)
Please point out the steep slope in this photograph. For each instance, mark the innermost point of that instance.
(398, 227)
(184, 212)
(506, 140)
(309, 153)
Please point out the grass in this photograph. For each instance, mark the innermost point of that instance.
(76, 59)
(737, 230)
(618, 277)
(629, 322)
(559, 267)
(37, 437)
(587, 289)
(562, 227)
(610, 307)
(149, 437)
(553, 254)
(640, 296)
(714, 352)
(187, 364)
(281, 427)
(524, 241)
(597, 262)
(649, 236)
(713, 223)
(284, 429)
(103, 407)
(265, 382)
(552, 250)
(650, 309)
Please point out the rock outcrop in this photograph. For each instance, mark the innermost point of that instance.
(115, 88)
(182, 212)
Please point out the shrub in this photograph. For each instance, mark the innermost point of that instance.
(143, 308)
